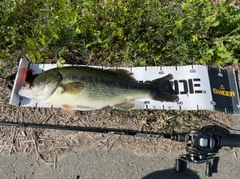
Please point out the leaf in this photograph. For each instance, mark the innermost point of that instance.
(179, 23)
(32, 56)
(195, 38)
(185, 5)
(55, 36)
(60, 62)
(235, 61)
(31, 43)
(78, 30)
(215, 24)
(218, 62)
(38, 55)
(210, 19)
(88, 45)
(224, 53)
(42, 40)
(237, 42)
(210, 52)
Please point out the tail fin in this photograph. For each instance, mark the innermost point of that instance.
(163, 90)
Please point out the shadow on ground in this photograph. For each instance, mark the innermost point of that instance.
(170, 173)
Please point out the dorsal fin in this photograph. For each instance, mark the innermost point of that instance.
(122, 73)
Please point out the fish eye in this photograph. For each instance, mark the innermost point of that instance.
(26, 85)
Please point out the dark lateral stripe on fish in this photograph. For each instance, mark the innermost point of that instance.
(97, 80)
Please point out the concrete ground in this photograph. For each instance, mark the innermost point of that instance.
(97, 163)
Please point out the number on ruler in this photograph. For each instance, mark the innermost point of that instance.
(180, 102)
(192, 71)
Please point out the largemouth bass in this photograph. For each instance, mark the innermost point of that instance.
(85, 89)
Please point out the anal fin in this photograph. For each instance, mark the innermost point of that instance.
(70, 109)
(126, 105)
(84, 108)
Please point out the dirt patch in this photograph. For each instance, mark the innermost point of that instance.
(47, 143)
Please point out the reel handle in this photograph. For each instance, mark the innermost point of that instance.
(230, 141)
(208, 170)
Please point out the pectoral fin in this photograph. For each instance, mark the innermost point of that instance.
(72, 88)
(126, 105)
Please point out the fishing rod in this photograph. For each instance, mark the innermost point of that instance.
(201, 145)
(87, 129)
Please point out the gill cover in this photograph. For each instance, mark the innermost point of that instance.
(43, 86)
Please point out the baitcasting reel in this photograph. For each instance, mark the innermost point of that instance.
(201, 147)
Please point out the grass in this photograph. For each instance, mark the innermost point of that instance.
(134, 32)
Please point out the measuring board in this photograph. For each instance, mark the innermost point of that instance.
(198, 87)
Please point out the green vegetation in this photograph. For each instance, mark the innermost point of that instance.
(123, 33)
(133, 32)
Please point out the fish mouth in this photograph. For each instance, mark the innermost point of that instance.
(22, 92)
(25, 90)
